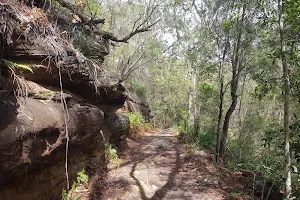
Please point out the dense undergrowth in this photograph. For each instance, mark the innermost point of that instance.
(263, 169)
(195, 136)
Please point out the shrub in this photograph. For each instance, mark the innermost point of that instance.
(81, 181)
(193, 135)
(111, 154)
(207, 140)
(137, 124)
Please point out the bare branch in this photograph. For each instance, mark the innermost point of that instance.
(128, 70)
(82, 16)
(109, 36)
(147, 17)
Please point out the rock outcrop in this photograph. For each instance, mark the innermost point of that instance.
(136, 102)
(137, 105)
(50, 93)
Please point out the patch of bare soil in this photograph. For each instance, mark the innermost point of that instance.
(156, 167)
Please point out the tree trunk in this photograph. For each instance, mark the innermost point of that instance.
(241, 140)
(192, 99)
(233, 85)
(285, 67)
(221, 100)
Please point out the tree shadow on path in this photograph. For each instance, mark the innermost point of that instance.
(161, 192)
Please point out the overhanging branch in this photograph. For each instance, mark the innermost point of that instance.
(109, 36)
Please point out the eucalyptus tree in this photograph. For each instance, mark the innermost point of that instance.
(286, 51)
(133, 24)
(237, 21)
(288, 182)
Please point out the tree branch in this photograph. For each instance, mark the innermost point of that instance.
(128, 70)
(82, 16)
(109, 36)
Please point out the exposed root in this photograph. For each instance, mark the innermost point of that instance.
(52, 147)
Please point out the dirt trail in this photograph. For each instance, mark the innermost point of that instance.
(155, 167)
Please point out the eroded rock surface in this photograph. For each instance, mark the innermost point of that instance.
(32, 145)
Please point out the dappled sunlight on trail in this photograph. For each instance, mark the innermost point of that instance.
(155, 167)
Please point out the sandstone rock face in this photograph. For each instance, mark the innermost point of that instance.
(32, 144)
(136, 104)
(63, 97)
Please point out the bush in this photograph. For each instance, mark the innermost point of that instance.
(112, 155)
(201, 138)
(187, 133)
(82, 181)
(137, 124)
(207, 140)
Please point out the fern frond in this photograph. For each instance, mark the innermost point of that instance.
(16, 65)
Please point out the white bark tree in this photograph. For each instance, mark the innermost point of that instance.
(286, 86)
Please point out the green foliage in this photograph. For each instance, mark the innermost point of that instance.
(135, 119)
(14, 65)
(226, 26)
(110, 152)
(207, 140)
(112, 155)
(139, 88)
(167, 93)
(194, 135)
(235, 194)
(187, 133)
(64, 195)
(93, 8)
(82, 180)
(137, 124)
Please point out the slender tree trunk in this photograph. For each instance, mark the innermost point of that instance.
(241, 104)
(192, 99)
(285, 68)
(221, 100)
(233, 85)
(241, 142)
